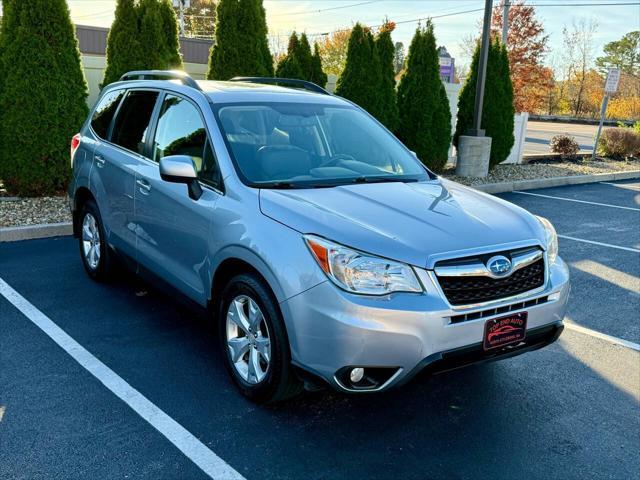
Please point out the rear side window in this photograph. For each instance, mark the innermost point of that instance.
(104, 112)
(132, 122)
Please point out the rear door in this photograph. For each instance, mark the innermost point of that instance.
(117, 160)
(174, 230)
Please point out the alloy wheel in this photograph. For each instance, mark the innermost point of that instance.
(248, 339)
(91, 241)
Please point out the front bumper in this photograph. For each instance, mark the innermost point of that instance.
(330, 329)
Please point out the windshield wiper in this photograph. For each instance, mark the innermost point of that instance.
(390, 178)
(277, 185)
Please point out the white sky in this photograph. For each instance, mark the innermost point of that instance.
(283, 16)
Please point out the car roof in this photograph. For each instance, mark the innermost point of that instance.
(223, 92)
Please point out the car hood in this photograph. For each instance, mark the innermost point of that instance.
(416, 223)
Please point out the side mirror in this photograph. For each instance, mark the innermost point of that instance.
(181, 169)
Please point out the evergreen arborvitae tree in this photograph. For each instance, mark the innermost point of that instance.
(172, 35)
(498, 110)
(43, 96)
(425, 117)
(360, 79)
(288, 66)
(388, 98)
(142, 37)
(241, 47)
(304, 57)
(123, 46)
(153, 42)
(317, 74)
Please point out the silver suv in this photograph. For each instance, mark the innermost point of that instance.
(322, 247)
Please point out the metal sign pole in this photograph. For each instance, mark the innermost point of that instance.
(603, 111)
(610, 87)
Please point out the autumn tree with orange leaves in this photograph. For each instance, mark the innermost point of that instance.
(527, 47)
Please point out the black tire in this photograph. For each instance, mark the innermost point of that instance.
(280, 382)
(100, 271)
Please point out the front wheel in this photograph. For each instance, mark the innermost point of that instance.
(93, 246)
(254, 341)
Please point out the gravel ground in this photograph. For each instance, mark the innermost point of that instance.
(31, 211)
(506, 173)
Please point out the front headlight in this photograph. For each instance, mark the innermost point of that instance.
(552, 239)
(360, 273)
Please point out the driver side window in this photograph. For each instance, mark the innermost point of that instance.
(181, 131)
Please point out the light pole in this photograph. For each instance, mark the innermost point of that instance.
(474, 148)
(476, 130)
(505, 21)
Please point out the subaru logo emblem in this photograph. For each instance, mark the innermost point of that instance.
(499, 266)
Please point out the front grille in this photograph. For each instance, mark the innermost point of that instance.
(477, 289)
(465, 317)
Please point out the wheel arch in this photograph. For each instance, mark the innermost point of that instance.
(82, 195)
(237, 260)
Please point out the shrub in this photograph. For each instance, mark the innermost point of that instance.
(619, 143)
(388, 96)
(241, 47)
(565, 145)
(43, 96)
(425, 118)
(498, 110)
(360, 79)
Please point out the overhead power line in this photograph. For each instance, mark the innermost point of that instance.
(308, 12)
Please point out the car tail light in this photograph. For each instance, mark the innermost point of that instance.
(75, 143)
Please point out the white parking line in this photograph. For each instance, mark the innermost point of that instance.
(625, 186)
(577, 201)
(189, 445)
(602, 336)
(618, 247)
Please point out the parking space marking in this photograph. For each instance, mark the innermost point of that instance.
(625, 186)
(577, 201)
(602, 336)
(618, 247)
(186, 442)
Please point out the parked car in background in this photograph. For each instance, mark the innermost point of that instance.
(322, 247)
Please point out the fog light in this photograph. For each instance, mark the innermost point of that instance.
(554, 296)
(356, 374)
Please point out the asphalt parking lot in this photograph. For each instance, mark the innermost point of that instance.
(571, 410)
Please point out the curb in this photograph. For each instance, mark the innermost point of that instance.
(30, 232)
(504, 187)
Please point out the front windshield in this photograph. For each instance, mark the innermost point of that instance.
(295, 145)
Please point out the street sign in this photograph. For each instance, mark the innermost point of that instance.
(613, 78)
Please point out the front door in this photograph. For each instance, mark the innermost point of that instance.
(173, 230)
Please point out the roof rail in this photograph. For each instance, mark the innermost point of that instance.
(293, 82)
(161, 74)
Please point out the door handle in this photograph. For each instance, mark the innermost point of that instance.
(144, 186)
(100, 161)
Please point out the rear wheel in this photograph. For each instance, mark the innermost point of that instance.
(94, 251)
(254, 341)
